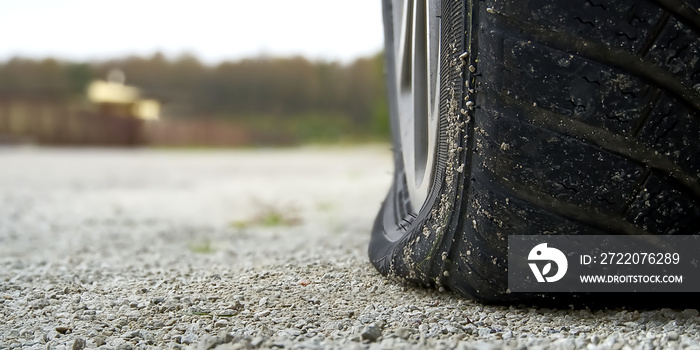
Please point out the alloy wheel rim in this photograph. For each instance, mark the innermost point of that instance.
(418, 69)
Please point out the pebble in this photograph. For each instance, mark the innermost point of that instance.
(189, 339)
(64, 329)
(484, 332)
(690, 313)
(131, 335)
(125, 346)
(78, 344)
(371, 332)
(257, 342)
(403, 333)
(209, 342)
(99, 340)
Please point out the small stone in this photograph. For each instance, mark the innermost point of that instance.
(257, 342)
(690, 313)
(209, 342)
(189, 339)
(371, 333)
(280, 342)
(226, 337)
(610, 341)
(672, 335)
(78, 344)
(125, 346)
(237, 305)
(64, 329)
(484, 332)
(262, 313)
(148, 337)
(229, 347)
(423, 328)
(671, 325)
(100, 340)
(304, 282)
(403, 333)
(227, 313)
(294, 332)
(40, 304)
(131, 335)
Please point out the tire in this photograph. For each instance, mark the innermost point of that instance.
(554, 118)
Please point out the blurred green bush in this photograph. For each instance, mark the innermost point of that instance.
(308, 101)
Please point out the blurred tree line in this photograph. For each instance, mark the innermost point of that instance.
(314, 100)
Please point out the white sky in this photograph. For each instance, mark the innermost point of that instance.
(213, 30)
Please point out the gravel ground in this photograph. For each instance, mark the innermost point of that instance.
(117, 249)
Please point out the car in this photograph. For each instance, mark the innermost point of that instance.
(539, 118)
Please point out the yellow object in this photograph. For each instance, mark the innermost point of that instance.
(115, 94)
(101, 91)
(147, 109)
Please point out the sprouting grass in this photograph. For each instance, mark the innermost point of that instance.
(326, 206)
(271, 216)
(274, 219)
(203, 247)
(240, 224)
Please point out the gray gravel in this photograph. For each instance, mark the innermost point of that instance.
(117, 249)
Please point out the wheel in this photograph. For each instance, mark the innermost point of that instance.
(514, 117)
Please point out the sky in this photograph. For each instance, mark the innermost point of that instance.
(212, 30)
